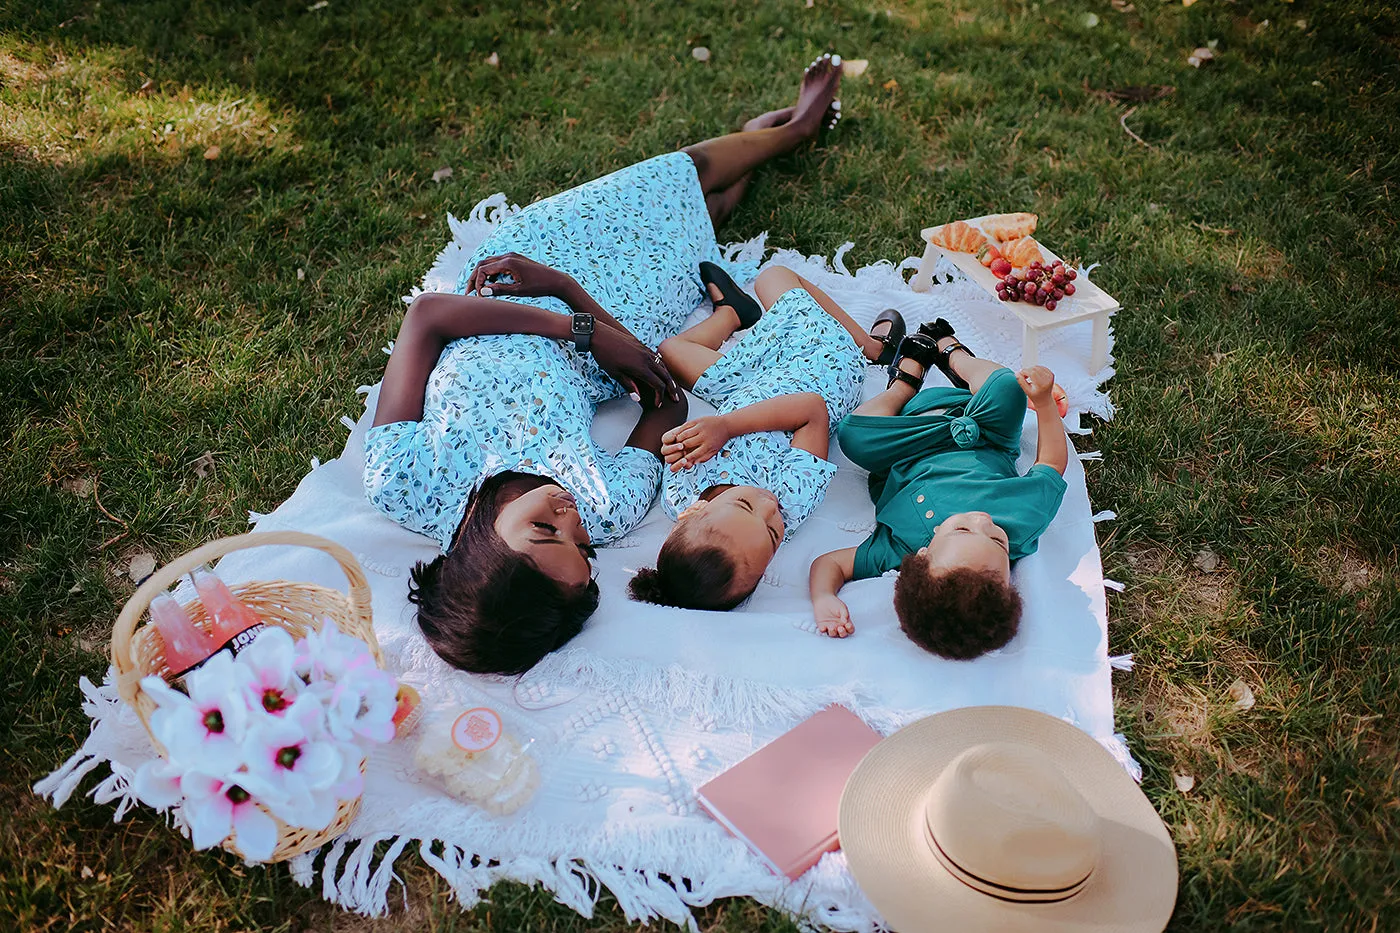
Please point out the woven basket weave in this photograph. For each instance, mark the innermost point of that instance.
(297, 607)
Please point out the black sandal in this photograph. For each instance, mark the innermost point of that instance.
(921, 350)
(936, 331)
(889, 340)
(749, 311)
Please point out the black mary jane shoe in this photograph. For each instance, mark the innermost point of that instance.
(936, 331)
(921, 350)
(889, 340)
(748, 310)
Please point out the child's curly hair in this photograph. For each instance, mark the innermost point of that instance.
(957, 614)
(690, 573)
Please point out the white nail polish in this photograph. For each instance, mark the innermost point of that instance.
(634, 396)
(836, 60)
(486, 290)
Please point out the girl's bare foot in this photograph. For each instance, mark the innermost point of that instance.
(723, 310)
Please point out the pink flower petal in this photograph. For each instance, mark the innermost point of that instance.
(157, 784)
(257, 833)
(210, 820)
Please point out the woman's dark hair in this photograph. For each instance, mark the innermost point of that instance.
(957, 614)
(689, 574)
(486, 608)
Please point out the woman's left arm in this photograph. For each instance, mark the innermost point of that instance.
(531, 279)
(616, 348)
(654, 423)
(432, 321)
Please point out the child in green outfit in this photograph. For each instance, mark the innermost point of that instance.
(951, 511)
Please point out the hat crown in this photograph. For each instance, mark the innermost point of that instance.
(1005, 819)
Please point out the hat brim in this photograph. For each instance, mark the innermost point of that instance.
(882, 831)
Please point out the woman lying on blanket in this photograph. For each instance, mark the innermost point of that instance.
(481, 435)
(743, 479)
(951, 512)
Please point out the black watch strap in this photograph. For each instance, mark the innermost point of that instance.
(582, 329)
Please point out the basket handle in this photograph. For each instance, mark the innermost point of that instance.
(166, 576)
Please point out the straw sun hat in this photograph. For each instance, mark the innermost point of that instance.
(1002, 818)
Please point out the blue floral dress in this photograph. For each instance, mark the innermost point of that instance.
(634, 240)
(795, 347)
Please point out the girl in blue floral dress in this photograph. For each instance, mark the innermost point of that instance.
(481, 436)
(743, 480)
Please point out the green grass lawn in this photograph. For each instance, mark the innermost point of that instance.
(157, 304)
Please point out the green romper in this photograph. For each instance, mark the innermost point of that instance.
(925, 467)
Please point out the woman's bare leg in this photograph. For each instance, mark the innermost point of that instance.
(723, 161)
(721, 204)
(775, 280)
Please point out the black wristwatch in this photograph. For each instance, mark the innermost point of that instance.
(583, 331)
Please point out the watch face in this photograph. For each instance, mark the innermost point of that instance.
(583, 324)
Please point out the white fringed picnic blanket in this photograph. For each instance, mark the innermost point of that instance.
(650, 702)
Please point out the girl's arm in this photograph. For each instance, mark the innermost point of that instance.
(802, 413)
(1052, 448)
(431, 322)
(829, 573)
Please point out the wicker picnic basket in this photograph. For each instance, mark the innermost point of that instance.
(297, 607)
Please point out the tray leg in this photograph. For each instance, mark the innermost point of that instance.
(1030, 346)
(924, 277)
(1098, 355)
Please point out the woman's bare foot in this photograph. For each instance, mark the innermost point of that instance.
(817, 94)
(770, 119)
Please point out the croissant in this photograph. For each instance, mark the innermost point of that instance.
(1022, 252)
(1009, 226)
(958, 237)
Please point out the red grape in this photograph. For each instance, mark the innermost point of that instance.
(1057, 293)
(1071, 274)
(1050, 305)
(1069, 288)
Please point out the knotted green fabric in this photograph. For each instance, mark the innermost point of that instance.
(949, 451)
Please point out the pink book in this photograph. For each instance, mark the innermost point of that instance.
(782, 800)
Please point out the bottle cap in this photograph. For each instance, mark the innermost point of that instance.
(477, 729)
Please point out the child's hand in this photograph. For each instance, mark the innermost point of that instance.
(833, 618)
(1038, 383)
(694, 442)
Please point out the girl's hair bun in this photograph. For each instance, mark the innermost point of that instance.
(646, 586)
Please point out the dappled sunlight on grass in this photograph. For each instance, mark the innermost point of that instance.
(61, 108)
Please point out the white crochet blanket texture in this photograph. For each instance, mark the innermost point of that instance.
(648, 702)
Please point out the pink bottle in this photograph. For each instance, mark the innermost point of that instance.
(186, 646)
(232, 623)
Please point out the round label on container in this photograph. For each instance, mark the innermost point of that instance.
(477, 729)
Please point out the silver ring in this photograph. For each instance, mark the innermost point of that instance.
(657, 357)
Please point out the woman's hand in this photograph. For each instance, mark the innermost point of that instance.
(633, 364)
(527, 278)
(833, 618)
(694, 442)
(1038, 383)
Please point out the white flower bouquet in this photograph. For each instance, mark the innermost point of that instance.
(273, 734)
